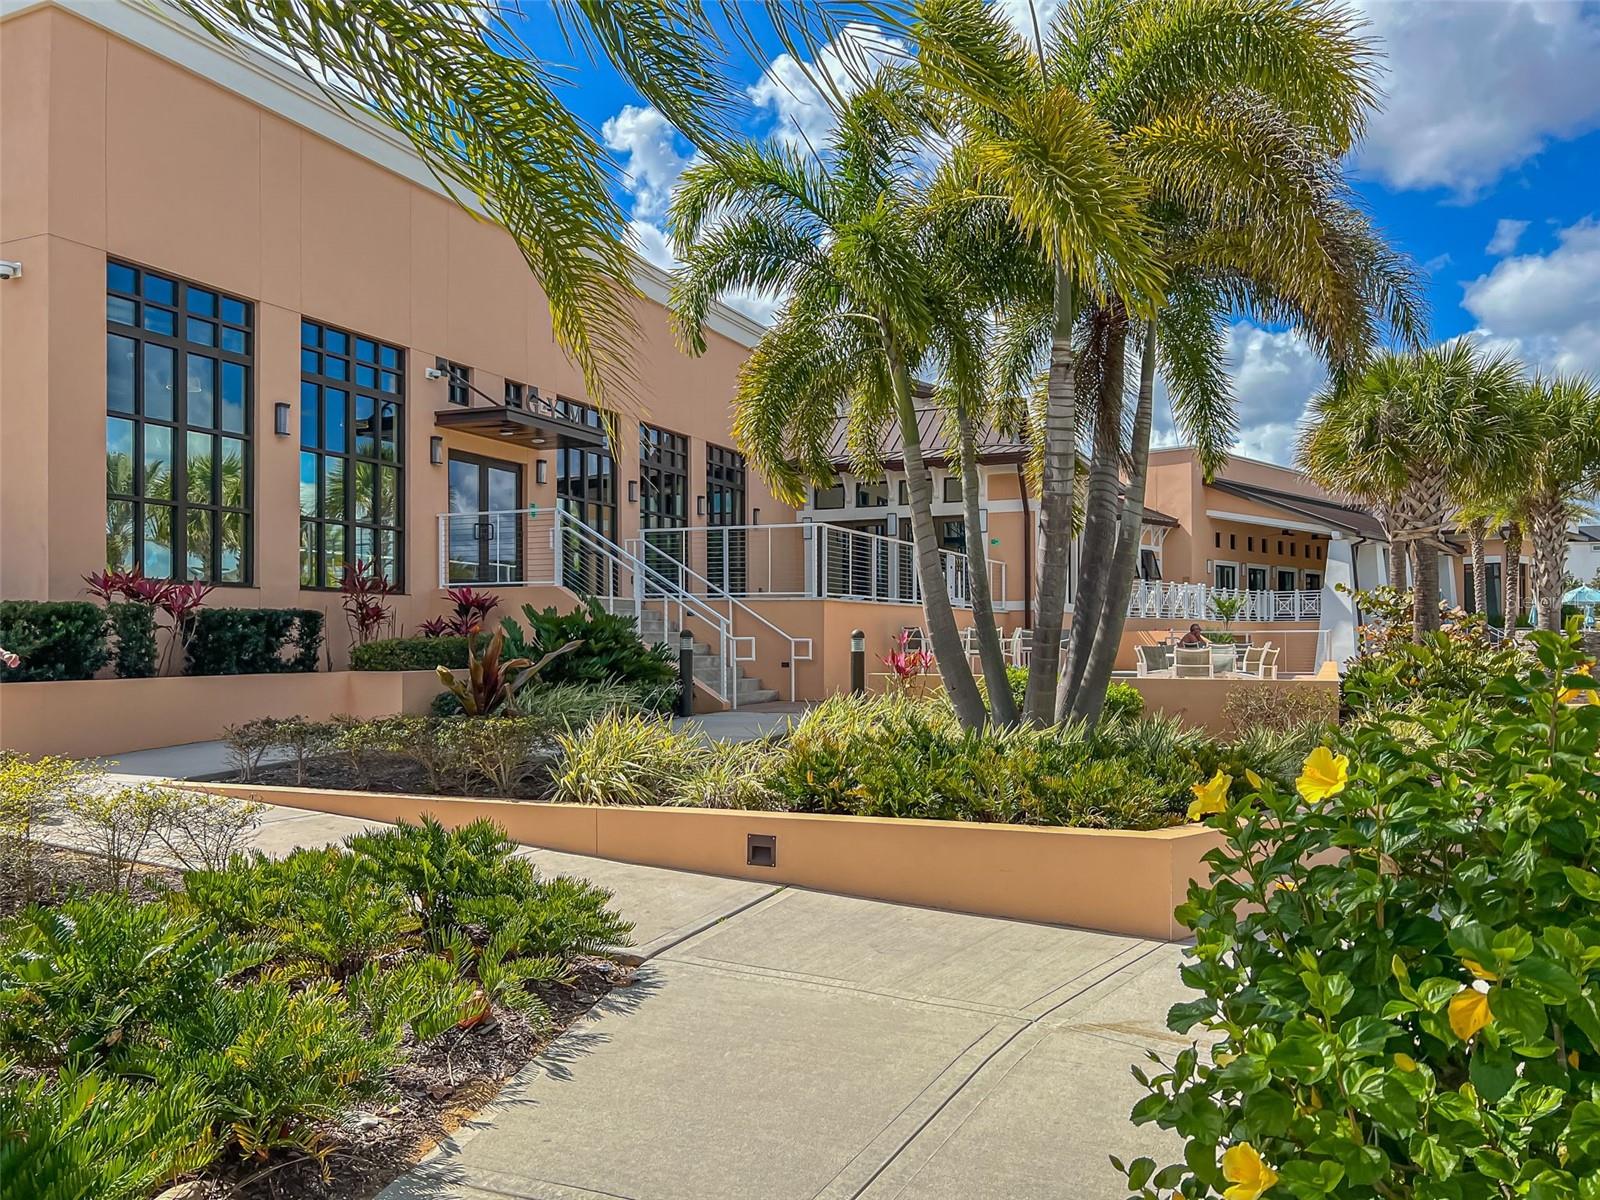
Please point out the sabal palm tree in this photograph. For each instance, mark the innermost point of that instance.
(459, 81)
(1409, 432)
(1561, 473)
(861, 239)
(1188, 99)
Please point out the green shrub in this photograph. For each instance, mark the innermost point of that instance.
(32, 790)
(499, 752)
(86, 978)
(316, 906)
(91, 1136)
(56, 639)
(254, 641)
(626, 759)
(135, 627)
(612, 651)
(1124, 702)
(1451, 665)
(410, 654)
(730, 775)
(457, 878)
(1400, 958)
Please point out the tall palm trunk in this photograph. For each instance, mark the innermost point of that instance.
(1511, 575)
(1091, 695)
(1421, 513)
(1055, 511)
(1425, 606)
(1477, 536)
(1099, 541)
(1547, 516)
(1397, 550)
(1002, 707)
(943, 633)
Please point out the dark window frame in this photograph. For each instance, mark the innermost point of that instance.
(484, 464)
(596, 504)
(184, 316)
(458, 382)
(386, 364)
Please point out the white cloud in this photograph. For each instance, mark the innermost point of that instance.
(802, 111)
(1507, 233)
(649, 241)
(1474, 89)
(1545, 307)
(1274, 375)
(653, 161)
(1438, 262)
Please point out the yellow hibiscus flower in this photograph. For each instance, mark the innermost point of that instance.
(1211, 797)
(1246, 1171)
(1469, 1012)
(1323, 774)
(1405, 1062)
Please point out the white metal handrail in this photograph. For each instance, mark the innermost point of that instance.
(811, 560)
(685, 574)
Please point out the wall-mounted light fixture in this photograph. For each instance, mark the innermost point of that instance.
(755, 517)
(436, 450)
(700, 505)
(633, 491)
(280, 419)
(541, 472)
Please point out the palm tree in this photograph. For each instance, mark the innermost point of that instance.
(457, 79)
(864, 242)
(1561, 467)
(1409, 432)
(1193, 106)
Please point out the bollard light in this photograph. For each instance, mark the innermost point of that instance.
(858, 663)
(685, 673)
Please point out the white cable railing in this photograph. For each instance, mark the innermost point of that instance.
(1158, 600)
(519, 548)
(811, 560)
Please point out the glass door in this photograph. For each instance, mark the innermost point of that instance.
(485, 507)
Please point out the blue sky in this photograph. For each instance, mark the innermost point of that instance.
(1484, 166)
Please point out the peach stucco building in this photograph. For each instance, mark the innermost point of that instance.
(251, 339)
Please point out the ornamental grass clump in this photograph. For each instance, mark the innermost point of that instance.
(1397, 961)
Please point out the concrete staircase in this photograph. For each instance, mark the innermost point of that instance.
(653, 627)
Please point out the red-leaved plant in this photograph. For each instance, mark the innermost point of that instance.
(178, 601)
(472, 608)
(434, 627)
(365, 592)
(906, 663)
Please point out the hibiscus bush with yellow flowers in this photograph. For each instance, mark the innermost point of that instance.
(1396, 968)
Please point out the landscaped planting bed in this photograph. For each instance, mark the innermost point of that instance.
(888, 756)
(304, 1027)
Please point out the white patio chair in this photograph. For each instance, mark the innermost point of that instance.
(1021, 647)
(1269, 663)
(1153, 660)
(1252, 661)
(1192, 663)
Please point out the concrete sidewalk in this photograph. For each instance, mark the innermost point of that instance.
(818, 1047)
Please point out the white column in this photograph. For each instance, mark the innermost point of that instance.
(1338, 622)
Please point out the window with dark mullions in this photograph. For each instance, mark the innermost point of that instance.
(352, 498)
(664, 491)
(725, 546)
(178, 427)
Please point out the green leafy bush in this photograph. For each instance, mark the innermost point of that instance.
(91, 1136)
(626, 759)
(410, 654)
(135, 629)
(1124, 702)
(1450, 665)
(55, 639)
(318, 906)
(1399, 959)
(254, 641)
(612, 651)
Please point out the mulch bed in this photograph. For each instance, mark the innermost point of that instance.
(385, 774)
(437, 1090)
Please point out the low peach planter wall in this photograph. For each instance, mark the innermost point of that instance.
(1125, 882)
(88, 717)
(1200, 702)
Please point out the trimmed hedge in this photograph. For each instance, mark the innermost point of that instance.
(410, 654)
(56, 639)
(255, 641)
(135, 627)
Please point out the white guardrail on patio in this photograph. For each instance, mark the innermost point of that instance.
(1195, 601)
(812, 560)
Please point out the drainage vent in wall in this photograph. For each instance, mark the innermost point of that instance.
(761, 849)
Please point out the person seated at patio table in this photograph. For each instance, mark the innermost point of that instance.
(1193, 638)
